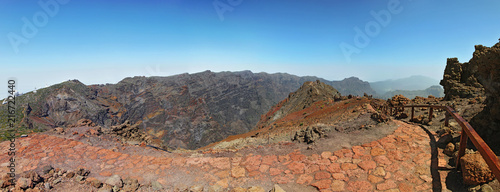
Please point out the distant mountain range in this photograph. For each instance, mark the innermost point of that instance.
(186, 110)
(409, 87)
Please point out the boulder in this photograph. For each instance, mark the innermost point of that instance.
(309, 135)
(130, 184)
(59, 130)
(114, 180)
(379, 117)
(449, 149)
(156, 185)
(24, 183)
(475, 170)
(46, 169)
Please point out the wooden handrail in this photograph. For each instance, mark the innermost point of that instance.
(467, 133)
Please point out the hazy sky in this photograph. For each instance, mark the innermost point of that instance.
(49, 41)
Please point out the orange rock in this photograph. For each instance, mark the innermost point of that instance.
(304, 179)
(274, 171)
(220, 162)
(325, 162)
(338, 185)
(334, 168)
(333, 158)
(263, 168)
(388, 184)
(340, 176)
(367, 165)
(321, 175)
(348, 166)
(382, 159)
(253, 173)
(296, 156)
(287, 178)
(223, 174)
(224, 183)
(179, 161)
(296, 168)
(323, 184)
(359, 186)
(269, 159)
(105, 174)
(405, 187)
(374, 179)
(326, 154)
(376, 151)
(237, 172)
(312, 168)
(283, 158)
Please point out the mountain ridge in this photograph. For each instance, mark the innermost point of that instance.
(183, 111)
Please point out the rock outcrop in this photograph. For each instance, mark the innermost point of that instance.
(304, 97)
(475, 79)
(460, 80)
(475, 170)
(487, 122)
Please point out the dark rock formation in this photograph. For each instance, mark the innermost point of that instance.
(475, 79)
(460, 80)
(487, 122)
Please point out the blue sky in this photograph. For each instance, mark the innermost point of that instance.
(102, 42)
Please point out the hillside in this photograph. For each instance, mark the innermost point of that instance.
(435, 90)
(182, 111)
(416, 82)
(314, 111)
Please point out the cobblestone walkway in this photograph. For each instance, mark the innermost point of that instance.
(398, 162)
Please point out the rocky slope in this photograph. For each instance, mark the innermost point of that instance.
(435, 90)
(314, 111)
(186, 110)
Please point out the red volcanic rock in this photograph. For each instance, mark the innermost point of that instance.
(321, 175)
(388, 184)
(269, 159)
(220, 162)
(475, 170)
(296, 168)
(323, 184)
(360, 186)
(334, 168)
(304, 179)
(367, 165)
(296, 156)
(274, 171)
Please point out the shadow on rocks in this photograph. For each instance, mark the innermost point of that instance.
(436, 177)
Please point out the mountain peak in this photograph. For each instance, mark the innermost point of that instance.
(309, 93)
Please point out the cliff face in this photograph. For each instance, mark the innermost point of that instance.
(187, 110)
(487, 122)
(478, 78)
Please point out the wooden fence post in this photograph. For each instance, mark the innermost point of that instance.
(430, 113)
(463, 145)
(412, 112)
(446, 119)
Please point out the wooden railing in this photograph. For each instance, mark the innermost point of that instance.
(467, 133)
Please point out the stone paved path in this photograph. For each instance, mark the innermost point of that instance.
(398, 162)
